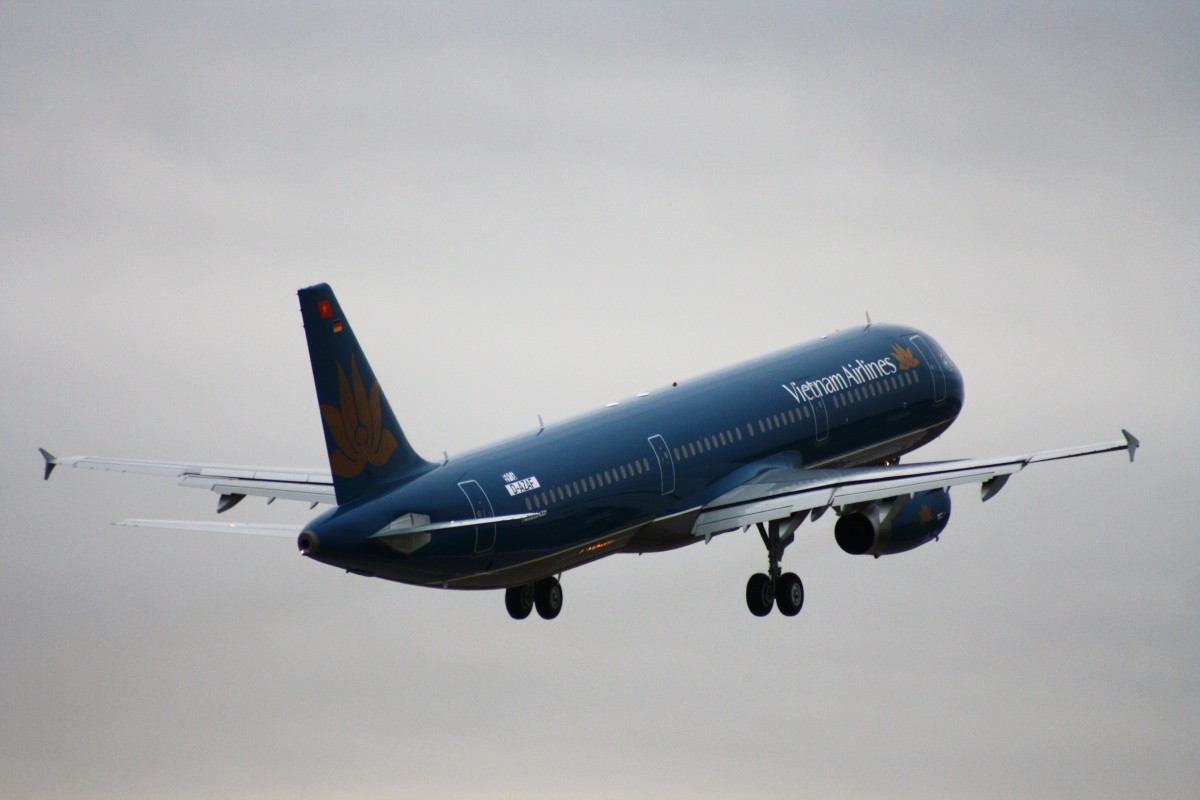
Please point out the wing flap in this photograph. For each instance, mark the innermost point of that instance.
(307, 492)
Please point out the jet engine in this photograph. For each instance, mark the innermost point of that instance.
(884, 527)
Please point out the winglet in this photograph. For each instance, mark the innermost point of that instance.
(1130, 440)
(51, 462)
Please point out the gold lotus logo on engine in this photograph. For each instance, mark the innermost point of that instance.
(904, 357)
(925, 515)
(357, 427)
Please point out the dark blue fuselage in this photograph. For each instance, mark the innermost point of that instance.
(632, 477)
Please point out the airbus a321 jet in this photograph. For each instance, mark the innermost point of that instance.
(766, 444)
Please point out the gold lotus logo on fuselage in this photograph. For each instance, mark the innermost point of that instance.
(357, 427)
(904, 357)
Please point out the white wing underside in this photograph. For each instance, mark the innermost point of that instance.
(308, 485)
(787, 493)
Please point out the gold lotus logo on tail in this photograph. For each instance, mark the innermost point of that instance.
(357, 428)
(904, 357)
(925, 516)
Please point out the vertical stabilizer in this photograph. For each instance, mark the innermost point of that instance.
(367, 448)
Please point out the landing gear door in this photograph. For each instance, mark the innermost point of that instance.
(935, 367)
(481, 507)
(666, 465)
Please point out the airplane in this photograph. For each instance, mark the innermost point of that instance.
(767, 444)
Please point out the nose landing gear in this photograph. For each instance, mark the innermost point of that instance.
(776, 588)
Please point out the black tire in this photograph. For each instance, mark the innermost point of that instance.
(789, 595)
(548, 597)
(760, 596)
(519, 601)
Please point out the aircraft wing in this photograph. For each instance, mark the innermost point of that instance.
(785, 493)
(233, 483)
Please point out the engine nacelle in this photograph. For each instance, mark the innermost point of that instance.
(884, 527)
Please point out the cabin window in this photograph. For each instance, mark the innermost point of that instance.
(708, 444)
(529, 504)
(621, 471)
(916, 378)
(575, 486)
(750, 428)
(675, 452)
(778, 422)
(738, 431)
(567, 490)
(721, 438)
(646, 463)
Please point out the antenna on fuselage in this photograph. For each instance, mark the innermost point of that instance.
(541, 425)
(868, 320)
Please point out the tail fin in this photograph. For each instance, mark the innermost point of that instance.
(367, 448)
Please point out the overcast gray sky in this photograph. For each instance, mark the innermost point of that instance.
(537, 208)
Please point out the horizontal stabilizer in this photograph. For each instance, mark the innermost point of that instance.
(253, 528)
(453, 524)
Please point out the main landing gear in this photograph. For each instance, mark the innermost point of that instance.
(774, 587)
(546, 595)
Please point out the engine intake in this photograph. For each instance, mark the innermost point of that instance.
(886, 527)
